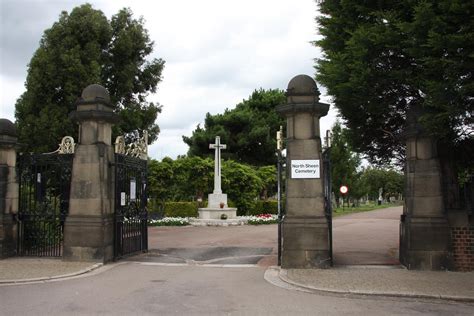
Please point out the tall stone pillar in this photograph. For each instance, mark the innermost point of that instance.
(8, 189)
(424, 228)
(88, 232)
(305, 228)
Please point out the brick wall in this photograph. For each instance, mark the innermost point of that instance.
(463, 248)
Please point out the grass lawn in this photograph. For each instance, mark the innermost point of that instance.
(339, 211)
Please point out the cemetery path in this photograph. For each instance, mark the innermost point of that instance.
(247, 244)
(367, 238)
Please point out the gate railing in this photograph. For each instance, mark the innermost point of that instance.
(327, 196)
(327, 183)
(131, 216)
(44, 182)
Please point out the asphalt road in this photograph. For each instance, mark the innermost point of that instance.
(217, 271)
(143, 289)
(368, 238)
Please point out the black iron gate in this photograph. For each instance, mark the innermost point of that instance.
(281, 199)
(45, 181)
(131, 235)
(328, 195)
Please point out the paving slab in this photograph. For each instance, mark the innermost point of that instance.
(15, 270)
(387, 281)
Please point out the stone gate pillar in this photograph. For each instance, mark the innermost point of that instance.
(424, 228)
(305, 228)
(8, 188)
(88, 232)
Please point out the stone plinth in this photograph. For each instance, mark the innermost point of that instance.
(305, 232)
(9, 189)
(218, 222)
(215, 200)
(217, 212)
(88, 233)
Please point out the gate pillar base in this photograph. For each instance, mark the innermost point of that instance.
(89, 238)
(424, 243)
(9, 189)
(305, 243)
(8, 237)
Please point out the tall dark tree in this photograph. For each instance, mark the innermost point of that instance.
(82, 48)
(249, 130)
(382, 58)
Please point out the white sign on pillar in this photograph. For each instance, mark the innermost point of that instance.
(305, 169)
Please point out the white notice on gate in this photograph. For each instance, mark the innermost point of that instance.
(122, 198)
(133, 190)
(305, 169)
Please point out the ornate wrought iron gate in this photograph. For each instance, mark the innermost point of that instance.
(45, 181)
(131, 215)
(328, 195)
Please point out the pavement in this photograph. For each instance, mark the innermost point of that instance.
(237, 246)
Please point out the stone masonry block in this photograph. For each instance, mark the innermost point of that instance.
(305, 206)
(304, 188)
(303, 126)
(303, 149)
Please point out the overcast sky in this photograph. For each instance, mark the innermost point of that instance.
(216, 52)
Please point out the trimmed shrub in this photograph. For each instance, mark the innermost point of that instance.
(181, 209)
(264, 207)
(157, 210)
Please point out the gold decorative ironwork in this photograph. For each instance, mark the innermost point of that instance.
(136, 148)
(120, 145)
(66, 146)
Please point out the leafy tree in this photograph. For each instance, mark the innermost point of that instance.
(383, 58)
(194, 175)
(241, 184)
(82, 48)
(160, 179)
(249, 130)
(390, 181)
(268, 177)
(344, 163)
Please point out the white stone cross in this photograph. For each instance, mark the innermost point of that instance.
(217, 164)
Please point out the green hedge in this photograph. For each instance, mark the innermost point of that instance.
(264, 207)
(172, 209)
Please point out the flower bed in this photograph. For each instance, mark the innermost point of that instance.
(169, 221)
(261, 219)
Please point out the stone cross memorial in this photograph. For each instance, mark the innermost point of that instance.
(217, 201)
(217, 164)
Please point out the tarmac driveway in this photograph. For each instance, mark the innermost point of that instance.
(369, 238)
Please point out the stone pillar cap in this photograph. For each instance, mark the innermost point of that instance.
(318, 108)
(94, 94)
(94, 104)
(8, 134)
(302, 85)
(7, 128)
